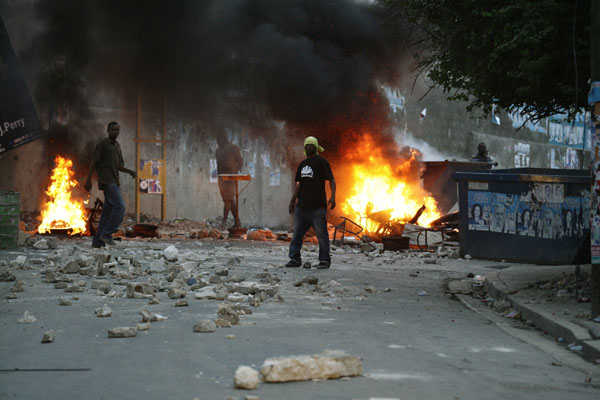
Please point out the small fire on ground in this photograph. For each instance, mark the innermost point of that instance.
(384, 191)
(61, 211)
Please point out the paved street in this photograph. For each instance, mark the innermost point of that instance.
(428, 346)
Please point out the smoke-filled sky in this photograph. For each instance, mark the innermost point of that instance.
(314, 64)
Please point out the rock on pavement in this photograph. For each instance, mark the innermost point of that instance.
(246, 378)
(330, 364)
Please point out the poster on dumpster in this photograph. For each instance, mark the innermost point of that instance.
(151, 174)
(594, 202)
(504, 213)
(19, 123)
(479, 210)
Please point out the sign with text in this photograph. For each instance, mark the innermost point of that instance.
(19, 123)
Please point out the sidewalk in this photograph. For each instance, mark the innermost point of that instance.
(550, 298)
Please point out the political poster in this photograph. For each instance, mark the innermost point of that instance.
(19, 123)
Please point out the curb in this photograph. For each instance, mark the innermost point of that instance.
(549, 323)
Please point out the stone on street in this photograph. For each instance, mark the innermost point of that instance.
(331, 364)
(246, 378)
(123, 332)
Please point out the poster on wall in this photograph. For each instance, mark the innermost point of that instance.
(214, 175)
(275, 177)
(19, 123)
(151, 174)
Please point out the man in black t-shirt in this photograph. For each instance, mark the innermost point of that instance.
(311, 207)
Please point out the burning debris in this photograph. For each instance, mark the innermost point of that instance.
(61, 212)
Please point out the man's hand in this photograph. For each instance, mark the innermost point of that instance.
(332, 202)
(292, 206)
(133, 174)
(88, 185)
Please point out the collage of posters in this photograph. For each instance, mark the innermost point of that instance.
(544, 212)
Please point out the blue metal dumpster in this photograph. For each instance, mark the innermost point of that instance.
(530, 215)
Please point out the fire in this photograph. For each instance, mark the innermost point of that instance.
(382, 192)
(61, 212)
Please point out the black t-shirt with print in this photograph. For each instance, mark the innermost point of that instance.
(312, 174)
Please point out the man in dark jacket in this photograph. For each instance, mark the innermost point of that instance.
(107, 161)
(309, 203)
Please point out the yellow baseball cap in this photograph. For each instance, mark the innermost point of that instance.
(313, 140)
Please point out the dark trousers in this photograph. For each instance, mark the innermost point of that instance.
(303, 220)
(113, 211)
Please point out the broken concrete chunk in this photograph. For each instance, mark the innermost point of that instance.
(181, 303)
(278, 298)
(60, 285)
(148, 316)
(19, 261)
(154, 300)
(19, 286)
(123, 332)
(6, 275)
(71, 267)
(74, 288)
(331, 364)
(171, 253)
(222, 323)
(205, 293)
(214, 279)
(225, 311)
(205, 326)
(103, 311)
(246, 378)
(64, 301)
(41, 244)
(222, 271)
(27, 318)
(143, 326)
(48, 337)
(370, 289)
(176, 293)
(136, 287)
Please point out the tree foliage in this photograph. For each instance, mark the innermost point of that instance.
(522, 55)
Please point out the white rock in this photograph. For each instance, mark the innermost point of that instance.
(207, 292)
(48, 337)
(26, 318)
(103, 311)
(20, 260)
(331, 364)
(246, 378)
(171, 253)
(41, 244)
(205, 326)
(122, 332)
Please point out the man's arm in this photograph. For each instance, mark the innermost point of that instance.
(88, 181)
(292, 205)
(129, 171)
(332, 199)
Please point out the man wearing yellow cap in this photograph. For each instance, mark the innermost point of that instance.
(309, 203)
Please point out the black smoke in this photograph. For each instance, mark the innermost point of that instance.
(314, 64)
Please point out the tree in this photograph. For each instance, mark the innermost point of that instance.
(532, 57)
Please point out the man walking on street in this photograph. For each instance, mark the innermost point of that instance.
(107, 161)
(309, 203)
(229, 161)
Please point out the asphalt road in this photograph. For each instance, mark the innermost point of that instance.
(412, 346)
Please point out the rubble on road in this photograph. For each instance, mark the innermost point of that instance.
(331, 364)
(48, 337)
(246, 378)
(148, 316)
(64, 301)
(205, 326)
(27, 318)
(226, 311)
(103, 311)
(19, 286)
(123, 332)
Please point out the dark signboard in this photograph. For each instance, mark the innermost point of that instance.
(19, 123)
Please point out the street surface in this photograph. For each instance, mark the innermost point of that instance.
(415, 341)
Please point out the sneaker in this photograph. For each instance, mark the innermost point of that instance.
(323, 265)
(108, 240)
(293, 264)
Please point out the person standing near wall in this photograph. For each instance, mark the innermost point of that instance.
(229, 161)
(107, 161)
(309, 203)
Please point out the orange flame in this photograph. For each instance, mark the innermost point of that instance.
(61, 212)
(379, 186)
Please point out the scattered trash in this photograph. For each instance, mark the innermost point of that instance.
(514, 314)
(422, 293)
(597, 319)
(561, 340)
(575, 347)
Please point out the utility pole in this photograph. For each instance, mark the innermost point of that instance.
(595, 103)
